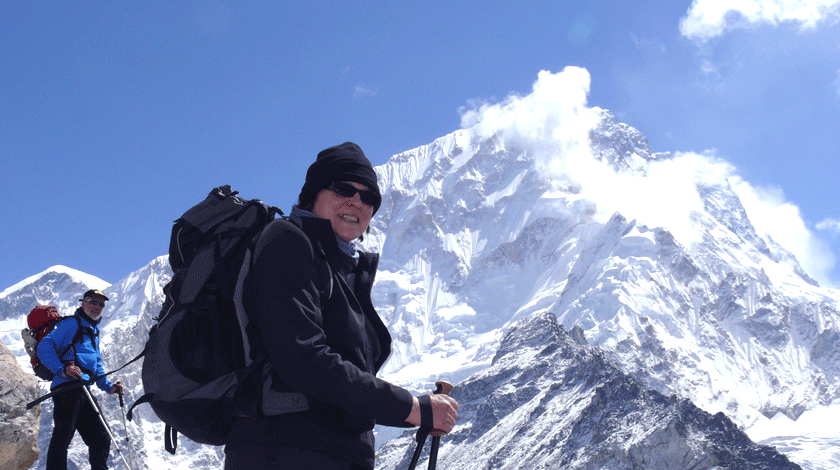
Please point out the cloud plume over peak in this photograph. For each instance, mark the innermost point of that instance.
(782, 220)
(555, 111)
(553, 125)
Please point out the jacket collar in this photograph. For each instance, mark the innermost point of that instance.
(347, 248)
(323, 237)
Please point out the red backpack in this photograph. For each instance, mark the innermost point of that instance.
(41, 320)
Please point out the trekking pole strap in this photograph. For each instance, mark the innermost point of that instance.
(426, 418)
(426, 425)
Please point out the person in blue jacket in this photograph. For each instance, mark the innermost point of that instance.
(76, 340)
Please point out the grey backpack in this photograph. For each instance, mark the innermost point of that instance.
(199, 361)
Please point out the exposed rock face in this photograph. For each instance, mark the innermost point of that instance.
(19, 428)
(552, 401)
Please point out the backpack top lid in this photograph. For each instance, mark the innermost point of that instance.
(41, 316)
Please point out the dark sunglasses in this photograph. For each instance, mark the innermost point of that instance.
(367, 196)
(101, 303)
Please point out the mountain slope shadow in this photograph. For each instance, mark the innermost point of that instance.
(550, 400)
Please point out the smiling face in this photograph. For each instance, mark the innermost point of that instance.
(93, 310)
(349, 215)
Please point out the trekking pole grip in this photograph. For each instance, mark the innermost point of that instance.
(122, 402)
(442, 388)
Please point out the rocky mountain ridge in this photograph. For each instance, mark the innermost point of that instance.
(553, 401)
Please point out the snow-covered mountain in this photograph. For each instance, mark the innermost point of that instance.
(553, 401)
(481, 236)
(547, 205)
(544, 205)
(59, 286)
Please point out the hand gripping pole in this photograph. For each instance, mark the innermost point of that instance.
(442, 387)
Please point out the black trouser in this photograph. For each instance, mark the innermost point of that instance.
(267, 457)
(74, 412)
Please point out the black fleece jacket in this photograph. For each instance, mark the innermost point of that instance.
(311, 304)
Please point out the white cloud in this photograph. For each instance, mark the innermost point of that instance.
(553, 124)
(707, 19)
(663, 197)
(709, 68)
(771, 214)
(830, 225)
(362, 92)
(553, 113)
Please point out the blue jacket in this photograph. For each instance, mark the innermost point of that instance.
(86, 355)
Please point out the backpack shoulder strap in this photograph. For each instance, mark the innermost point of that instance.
(76, 338)
(245, 269)
(81, 332)
(321, 257)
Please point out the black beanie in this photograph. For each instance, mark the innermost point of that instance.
(345, 162)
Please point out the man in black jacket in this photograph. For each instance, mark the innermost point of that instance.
(308, 293)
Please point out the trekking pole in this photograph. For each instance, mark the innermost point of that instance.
(444, 388)
(127, 443)
(108, 429)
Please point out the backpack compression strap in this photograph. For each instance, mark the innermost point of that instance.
(170, 439)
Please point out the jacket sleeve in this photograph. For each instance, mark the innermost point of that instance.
(54, 342)
(286, 306)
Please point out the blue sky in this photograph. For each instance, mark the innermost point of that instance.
(115, 118)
